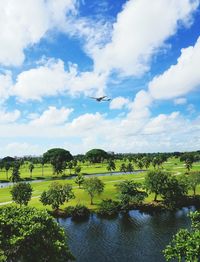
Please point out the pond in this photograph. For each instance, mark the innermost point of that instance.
(137, 237)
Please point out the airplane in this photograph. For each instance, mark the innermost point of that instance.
(101, 98)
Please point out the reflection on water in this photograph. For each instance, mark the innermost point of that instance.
(133, 237)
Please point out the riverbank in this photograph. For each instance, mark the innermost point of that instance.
(150, 208)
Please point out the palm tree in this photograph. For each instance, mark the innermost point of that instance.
(111, 166)
(123, 168)
(31, 167)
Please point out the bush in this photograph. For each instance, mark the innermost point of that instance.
(68, 211)
(108, 208)
(28, 234)
(80, 212)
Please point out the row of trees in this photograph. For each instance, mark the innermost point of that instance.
(171, 189)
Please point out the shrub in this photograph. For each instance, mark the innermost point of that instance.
(80, 212)
(108, 208)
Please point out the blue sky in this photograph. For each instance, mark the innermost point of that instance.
(143, 54)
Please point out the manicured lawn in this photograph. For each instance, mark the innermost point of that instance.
(173, 165)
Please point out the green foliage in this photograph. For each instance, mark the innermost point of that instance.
(27, 234)
(185, 245)
(174, 191)
(130, 193)
(129, 167)
(154, 182)
(15, 176)
(57, 195)
(93, 186)
(108, 208)
(21, 193)
(194, 180)
(80, 212)
(79, 180)
(111, 166)
(123, 167)
(58, 158)
(96, 155)
(31, 167)
(77, 169)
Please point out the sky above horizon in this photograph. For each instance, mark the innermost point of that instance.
(55, 54)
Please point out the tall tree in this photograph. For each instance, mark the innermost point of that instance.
(58, 158)
(96, 155)
(123, 168)
(15, 176)
(31, 167)
(154, 182)
(111, 166)
(93, 186)
(194, 180)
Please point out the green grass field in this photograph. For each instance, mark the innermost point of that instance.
(172, 165)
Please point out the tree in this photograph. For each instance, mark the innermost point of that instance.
(174, 191)
(57, 195)
(185, 244)
(58, 158)
(194, 180)
(154, 182)
(15, 176)
(123, 167)
(28, 234)
(111, 165)
(140, 164)
(79, 180)
(7, 167)
(129, 193)
(146, 161)
(96, 155)
(77, 170)
(21, 193)
(188, 164)
(70, 166)
(93, 186)
(129, 167)
(31, 167)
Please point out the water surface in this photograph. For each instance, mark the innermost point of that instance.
(136, 237)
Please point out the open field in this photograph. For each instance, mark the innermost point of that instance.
(173, 165)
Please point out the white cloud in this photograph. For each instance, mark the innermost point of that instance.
(5, 85)
(119, 102)
(25, 22)
(51, 79)
(181, 78)
(9, 117)
(52, 116)
(140, 30)
(21, 149)
(180, 101)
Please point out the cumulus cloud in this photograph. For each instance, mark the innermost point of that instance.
(180, 78)
(5, 85)
(51, 79)
(119, 102)
(24, 23)
(165, 132)
(140, 30)
(9, 117)
(52, 116)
